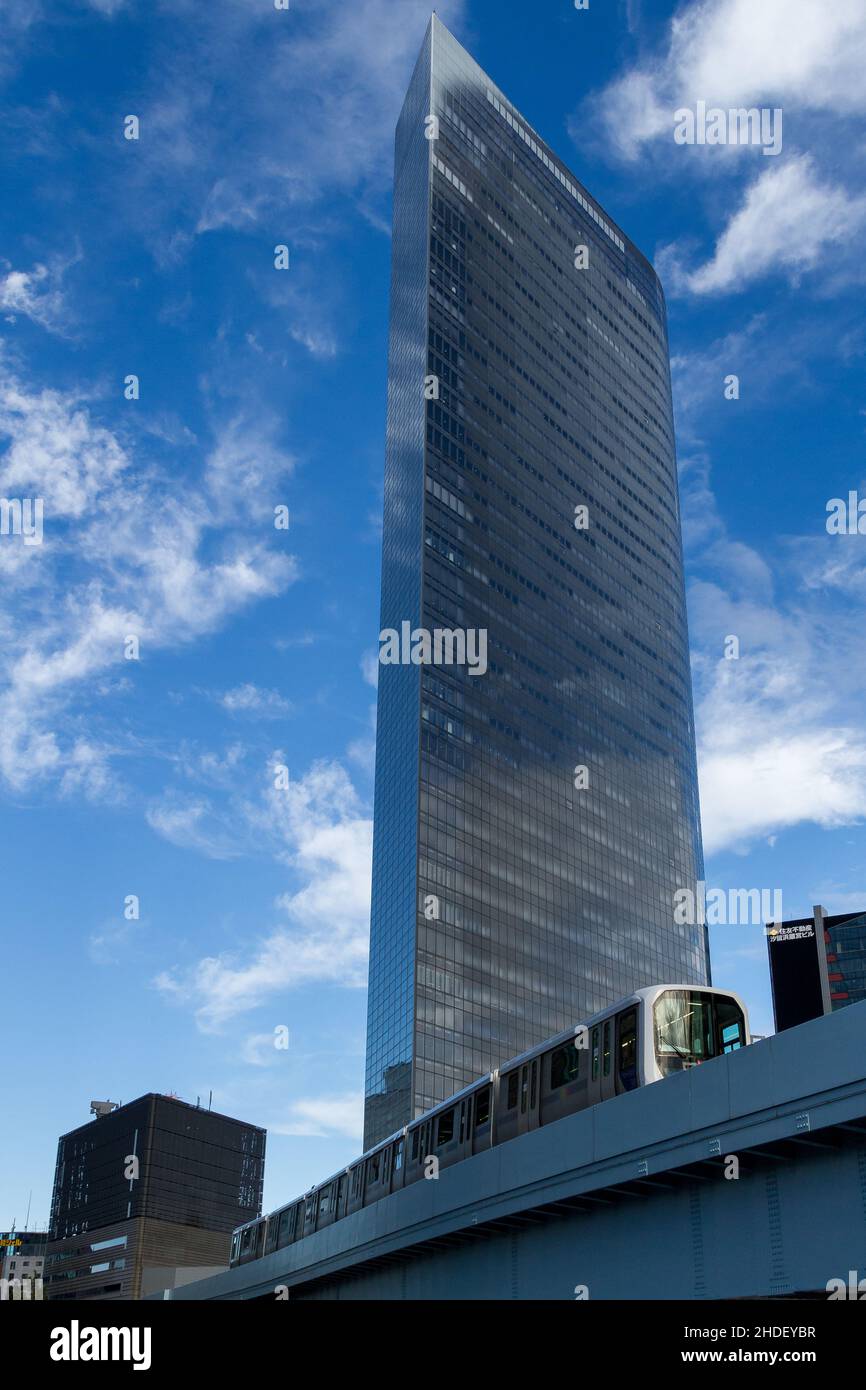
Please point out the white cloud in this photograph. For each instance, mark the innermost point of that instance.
(20, 19)
(250, 699)
(317, 339)
(734, 53)
(192, 823)
(247, 159)
(127, 550)
(839, 897)
(109, 944)
(778, 745)
(804, 59)
(764, 769)
(245, 469)
(318, 829)
(788, 221)
(370, 667)
(362, 751)
(259, 1050)
(37, 295)
(321, 1116)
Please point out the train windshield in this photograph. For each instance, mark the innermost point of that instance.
(692, 1026)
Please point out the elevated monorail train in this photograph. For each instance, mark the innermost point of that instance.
(632, 1043)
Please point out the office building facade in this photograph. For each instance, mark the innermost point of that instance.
(817, 965)
(155, 1184)
(536, 810)
(22, 1256)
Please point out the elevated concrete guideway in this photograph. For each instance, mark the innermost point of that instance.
(629, 1198)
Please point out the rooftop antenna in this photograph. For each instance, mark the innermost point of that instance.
(103, 1107)
(210, 1100)
(27, 1218)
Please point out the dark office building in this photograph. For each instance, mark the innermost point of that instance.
(817, 965)
(154, 1184)
(537, 809)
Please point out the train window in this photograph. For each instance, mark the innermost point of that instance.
(523, 1090)
(482, 1107)
(246, 1238)
(415, 1134)
(627, 1049)
(606, 1049)
(398, 1155)
(532, 1082)
(323, 1202)
(386, 1165)
(564, 1065)
(285, 1227)
(236, 1241)
(513, 1083)
(373, 1168)
(260, 1239)
(729, 1017)
(686, 1023)
(273, 1227)
(595, 1033)
(310, 1210)
(445, 1128)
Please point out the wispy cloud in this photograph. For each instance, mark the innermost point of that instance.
(345, 67)
(320, 1116)
(192, 823)
(778, 744)
(788, 222)
(797, 217)
(126, 553)
(37, 294)
(316, 826)
(734, 53)
(250, 699)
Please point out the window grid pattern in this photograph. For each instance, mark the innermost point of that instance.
(554, 391)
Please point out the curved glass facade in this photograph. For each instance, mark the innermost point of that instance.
(532, 823)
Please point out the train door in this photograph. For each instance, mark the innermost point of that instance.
(398, 1163)
(528, 1116)
(626, 1051)
(593, 1091)
(480, 1119)
(608, 1070)
(464, 1123)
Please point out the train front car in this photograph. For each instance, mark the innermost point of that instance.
(687, 1025)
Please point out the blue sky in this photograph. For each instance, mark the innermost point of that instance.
(260, 388)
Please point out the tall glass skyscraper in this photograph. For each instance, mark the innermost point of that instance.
(532, 822)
